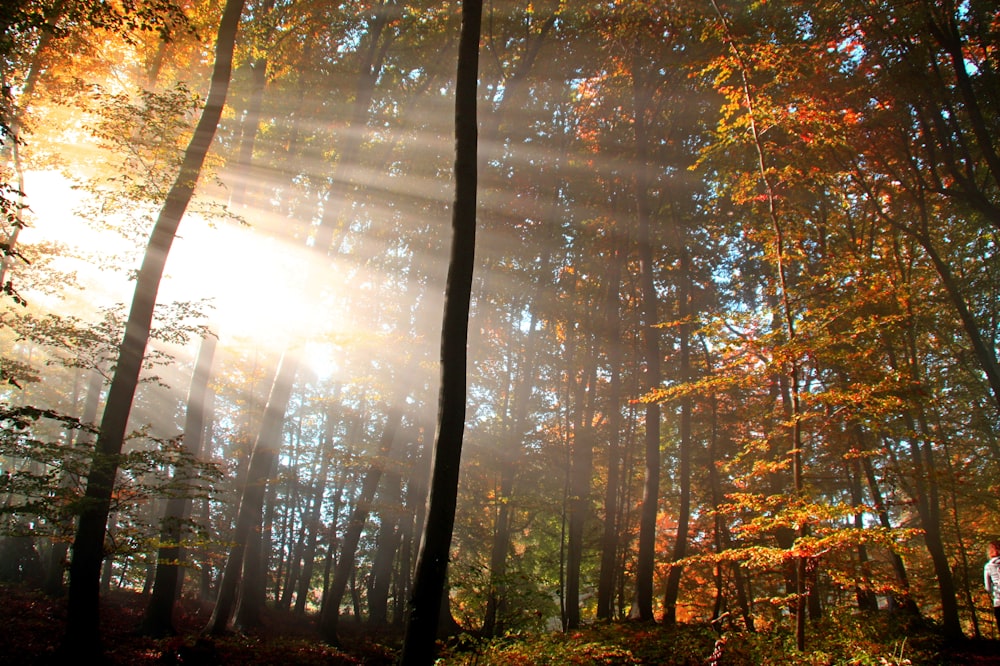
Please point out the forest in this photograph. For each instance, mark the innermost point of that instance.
(504, 332)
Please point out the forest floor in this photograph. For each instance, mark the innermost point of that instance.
(31, 626)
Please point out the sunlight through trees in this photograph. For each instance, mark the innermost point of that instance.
(720, 344)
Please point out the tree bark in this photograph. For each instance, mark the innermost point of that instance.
(313, 523)
(581, 465)
(82, 623)
(386, 547)
(250, 514)
(642, 607)
(425, 600)
(686, 443)
(330, 616)
(612, 490)
(158, 620)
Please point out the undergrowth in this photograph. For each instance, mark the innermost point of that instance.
(33, 625)
(848, 640)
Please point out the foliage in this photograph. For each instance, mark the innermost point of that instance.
(78, 343)
(879, 639)
(144, 134)
(44, 476)
(823, 203)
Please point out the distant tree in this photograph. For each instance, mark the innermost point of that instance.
(244, 557)
(82, 622)
(432, 562)
(158, 620)
(330, 615)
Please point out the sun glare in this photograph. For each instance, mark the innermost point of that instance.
(260, 288)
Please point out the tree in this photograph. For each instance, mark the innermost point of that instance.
(432, 563)
(158, 620)
(82, 628)
(244, 561)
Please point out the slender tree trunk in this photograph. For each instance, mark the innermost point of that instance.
(386, 546)
(158, 620)
(205, 510)
(82, 623)
(928, 507)
(253, 591)
(416, 502)
(313, 523)
(495, 601)
(60, 549)
(581, 467)
(250, 514)
(330, 616)
(642, 607)
(865, 596)
(903, 600)
(429, 581)
(723, 539)
(686, 443)
(791, 377)
(612, 489)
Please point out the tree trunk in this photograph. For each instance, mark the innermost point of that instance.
(82, 623)
(330, 616)
(253, 592)
(904, 600)
(581, 465)
(416, 503)
(385, 549)
(60, 549)
(205, 592)
(642, 607)
(508, 461)
(722, 534)
(612, 490)
(432, 562)
(313, 523)
(686, 443)
(158, 620)
(250, 515)
(863, 592)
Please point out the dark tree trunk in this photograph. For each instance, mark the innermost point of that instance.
(253, 591)
(904, 600)
(413, 521)
(432, 562)
(82, 624)
(385, 548)
(205, 592)
(250, 515)
(612, 490)
(57, 561)
(581, 461)
(496, 599)
(686, 443)
(508, 462)
(863, 592)
(581, 465)
(167, 581)
(642, 608)
(313, 523)
(330, 616)
(929, 509)
(722, 535)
